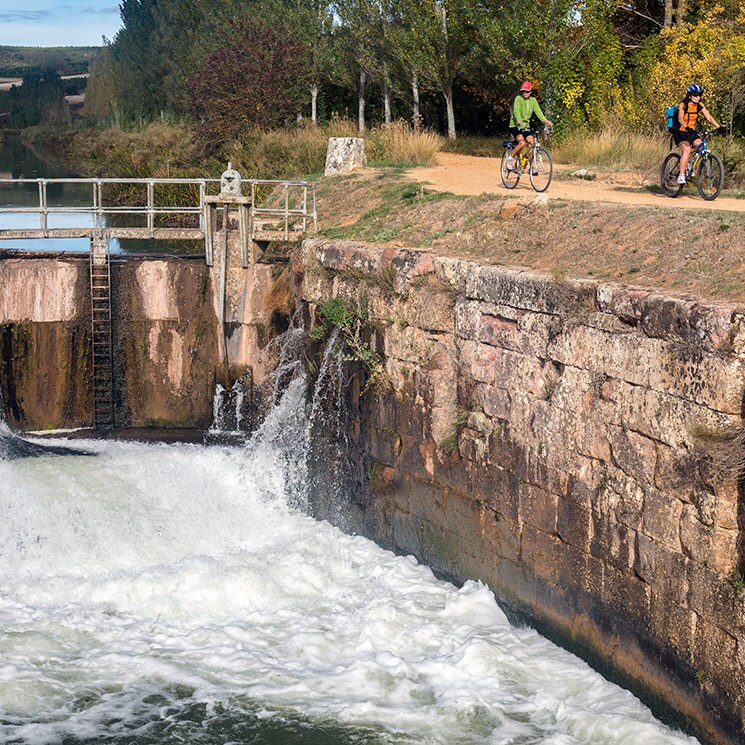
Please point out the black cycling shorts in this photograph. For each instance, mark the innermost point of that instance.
(514, 131)
(689, 137)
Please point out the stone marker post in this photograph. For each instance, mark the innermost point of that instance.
(344, 155)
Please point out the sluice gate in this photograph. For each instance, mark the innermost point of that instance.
(237, 220)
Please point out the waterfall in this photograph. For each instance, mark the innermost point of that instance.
(228, 410)
(181, 593)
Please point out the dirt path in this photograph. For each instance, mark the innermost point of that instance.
(470, 175)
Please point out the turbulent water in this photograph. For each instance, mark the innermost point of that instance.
(179, 594)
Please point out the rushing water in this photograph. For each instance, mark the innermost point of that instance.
(180, 593)
(18, 161)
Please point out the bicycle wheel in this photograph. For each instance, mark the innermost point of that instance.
(541, 169)
(669, 175)
(710, 175)
(510, 176)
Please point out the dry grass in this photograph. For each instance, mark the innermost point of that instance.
(724, 448)
(614, 148)
(399, 143)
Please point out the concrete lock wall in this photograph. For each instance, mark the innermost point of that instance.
(576, 445)
(169, 348)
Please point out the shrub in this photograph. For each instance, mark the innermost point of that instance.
(258, 81)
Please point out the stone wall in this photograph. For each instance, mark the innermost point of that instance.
(575, 445)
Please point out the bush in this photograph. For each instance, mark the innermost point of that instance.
(258, 81)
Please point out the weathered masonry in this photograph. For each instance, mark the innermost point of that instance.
(576, 446)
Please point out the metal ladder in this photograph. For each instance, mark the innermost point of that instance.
(102, 352)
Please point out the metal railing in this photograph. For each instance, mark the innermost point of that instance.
(295, 216)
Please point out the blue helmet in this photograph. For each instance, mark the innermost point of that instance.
(695, 90)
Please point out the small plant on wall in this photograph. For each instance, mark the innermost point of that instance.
(352, 324)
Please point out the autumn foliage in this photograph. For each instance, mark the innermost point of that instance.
(256, 80)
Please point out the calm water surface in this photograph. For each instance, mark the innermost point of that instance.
(18, 161)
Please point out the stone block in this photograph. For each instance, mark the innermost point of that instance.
(612, 542)
(499, 332)
(634, 454)
(531, 290)
(662, 518)
(501, 537)
(702, 377)
(713, 597)
(580, 572)
(626, 597)
(467, 318)
(711, 546)
(663, 569)
(383, 445)
(705, 327)
(496, 402)
(676, 471)
(623, 302)
(673, 626)
(344, 155)
(538, 507)
(574, 524)
(541, 553)
(714, 650)
(628, 357)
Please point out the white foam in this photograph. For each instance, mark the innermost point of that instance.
(154, 566)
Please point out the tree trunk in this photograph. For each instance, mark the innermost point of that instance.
(386, 96)
(361, 104)
(451, 112)
(668, 13)
(314, 104)
(680, 12)
(416, 118)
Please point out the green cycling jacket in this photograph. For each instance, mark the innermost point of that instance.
(523, 109)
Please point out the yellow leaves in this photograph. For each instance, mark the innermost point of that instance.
(572, 92)
(708, 52)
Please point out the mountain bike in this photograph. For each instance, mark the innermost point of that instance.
(707, 167)
(537, 164)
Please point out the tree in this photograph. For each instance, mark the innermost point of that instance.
(436, 38)
(40, 98)
(256, 82)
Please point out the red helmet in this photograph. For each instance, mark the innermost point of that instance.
(526, 86)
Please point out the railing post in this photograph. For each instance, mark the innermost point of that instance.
(287, 212)
(315, 213)
(151, 207)
(253, 210)
(43, 213)
(99, 215)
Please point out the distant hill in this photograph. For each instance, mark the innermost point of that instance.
(16, 61)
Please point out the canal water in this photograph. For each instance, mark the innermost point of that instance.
(178, 593)
(19, 161)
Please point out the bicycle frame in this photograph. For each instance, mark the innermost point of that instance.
(696, 151)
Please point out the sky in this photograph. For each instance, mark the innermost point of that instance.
(57, 23)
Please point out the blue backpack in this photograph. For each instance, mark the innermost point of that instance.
(671, 114)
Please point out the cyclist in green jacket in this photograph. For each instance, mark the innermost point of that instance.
(522, 110)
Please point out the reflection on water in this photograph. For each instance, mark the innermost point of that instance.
(18, 161)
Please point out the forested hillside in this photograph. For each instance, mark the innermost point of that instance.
(453, 65)
(16, 62)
